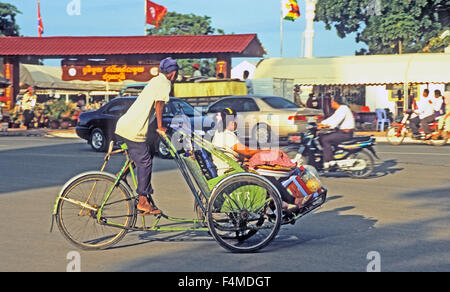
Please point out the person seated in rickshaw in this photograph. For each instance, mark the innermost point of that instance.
(226, 140)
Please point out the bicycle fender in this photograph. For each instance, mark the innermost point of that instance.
(73, 179)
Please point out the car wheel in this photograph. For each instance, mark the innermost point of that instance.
(163, 151)
(98, 140)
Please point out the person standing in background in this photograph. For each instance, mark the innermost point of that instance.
(28, 104)
(248, 82)
(196, 68)
(297, 98)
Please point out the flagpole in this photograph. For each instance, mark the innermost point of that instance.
(39, 20)
(281, 28)
(145, 17)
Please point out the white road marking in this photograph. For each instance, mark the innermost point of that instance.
(412, 153)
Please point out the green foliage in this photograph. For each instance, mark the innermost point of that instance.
(384, 25)
(183, 24)
(8, 26)
(58, 109)
(437, 44)
(188, 24)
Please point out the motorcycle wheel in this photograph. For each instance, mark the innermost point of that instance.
(392, 137)
(363, 157)
(439, 143)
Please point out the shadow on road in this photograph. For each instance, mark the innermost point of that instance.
(381, 169)
(326, 241)
(385, 168)
(49, 166)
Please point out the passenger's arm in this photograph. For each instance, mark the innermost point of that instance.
(244, 150)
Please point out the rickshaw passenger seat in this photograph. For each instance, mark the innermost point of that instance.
(205, 162)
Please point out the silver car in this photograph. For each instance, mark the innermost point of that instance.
(265, 118)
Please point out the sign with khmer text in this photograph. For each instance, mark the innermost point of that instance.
(109, 73)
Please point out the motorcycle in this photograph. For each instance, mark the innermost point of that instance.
(355, 157)
(397, 133)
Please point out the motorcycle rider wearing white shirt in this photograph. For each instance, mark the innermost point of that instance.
(344, 122)
(425, 114)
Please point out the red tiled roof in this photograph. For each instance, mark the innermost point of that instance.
(131, 45)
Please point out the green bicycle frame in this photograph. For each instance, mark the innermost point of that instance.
(198, 184)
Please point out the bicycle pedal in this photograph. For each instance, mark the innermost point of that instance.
(142, 213)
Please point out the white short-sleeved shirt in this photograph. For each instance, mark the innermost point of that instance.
(225, 141)
(133, 125)
(342, 119)
(425, 108)
(437, 103)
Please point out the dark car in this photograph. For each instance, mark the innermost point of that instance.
(98, 127)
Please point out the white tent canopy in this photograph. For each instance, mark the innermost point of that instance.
(359, 70)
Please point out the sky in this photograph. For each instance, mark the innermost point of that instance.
(127, 17)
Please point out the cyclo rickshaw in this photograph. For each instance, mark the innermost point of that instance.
(242, 209)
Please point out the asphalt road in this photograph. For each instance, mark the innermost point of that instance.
(401, 213)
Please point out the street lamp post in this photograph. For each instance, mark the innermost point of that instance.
(309, 32)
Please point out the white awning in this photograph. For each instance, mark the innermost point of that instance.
(359, 70)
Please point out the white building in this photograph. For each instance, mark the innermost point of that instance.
(376, 81)
(238, 71)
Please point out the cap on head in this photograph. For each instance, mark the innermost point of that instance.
(224, 117)
(196, 65)
(168, 65)
(229, 112)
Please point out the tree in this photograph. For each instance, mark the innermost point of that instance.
(8, 26)
(188, 24)
(386, 26)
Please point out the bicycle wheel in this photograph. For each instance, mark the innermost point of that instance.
(78, 209)
(394, 137)
(244, 213)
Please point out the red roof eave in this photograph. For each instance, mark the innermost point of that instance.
(128, 45)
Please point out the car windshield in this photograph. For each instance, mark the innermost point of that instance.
(279, 103)
(182, 107)
(132, 91)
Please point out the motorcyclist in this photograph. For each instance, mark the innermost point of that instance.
(344, 122)
(424, 116)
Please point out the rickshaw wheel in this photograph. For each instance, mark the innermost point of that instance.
(244, 213)
(80, 225)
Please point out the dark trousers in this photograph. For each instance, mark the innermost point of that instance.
(28, 116)
(333, 139)
(142, 154)
(416, 123)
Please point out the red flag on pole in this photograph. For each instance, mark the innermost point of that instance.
(40, 23)
(155, 13)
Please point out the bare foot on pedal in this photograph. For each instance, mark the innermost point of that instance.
(146, 207)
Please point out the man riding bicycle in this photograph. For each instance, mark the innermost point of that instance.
(139, 128)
